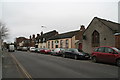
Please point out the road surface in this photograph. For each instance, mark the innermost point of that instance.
(33, 65)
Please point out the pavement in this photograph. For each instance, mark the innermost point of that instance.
(9, 67)
(0, 64)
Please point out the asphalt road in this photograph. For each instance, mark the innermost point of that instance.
(36, 65)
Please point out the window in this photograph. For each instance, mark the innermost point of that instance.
(49, 44)
(52, 44)
(43, 39)
(67, 43)
(108, 50)
(96, 50)
(56, 41)
(95, 39)
(39, 40)
(101, 49)
(61, 43)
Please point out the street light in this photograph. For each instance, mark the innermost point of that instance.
(43, 27)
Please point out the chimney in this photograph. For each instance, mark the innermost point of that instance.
(82, 28)
(41, 33)
(30, 36)
(33, 36)
(38, 35)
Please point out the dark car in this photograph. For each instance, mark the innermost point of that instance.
(45, 51)
(106, 54)
(38, 50)
(58, 51)
(76, 54)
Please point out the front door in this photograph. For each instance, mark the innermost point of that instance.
(56, 46)
(80, 46)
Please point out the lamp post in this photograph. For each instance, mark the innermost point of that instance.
(0, 38)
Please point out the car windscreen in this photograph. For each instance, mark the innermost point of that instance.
(116, 49)
(57, 49)
(75, 50)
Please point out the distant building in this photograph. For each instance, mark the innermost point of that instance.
(100, 32)
(44, 37)
(66, 40)
(19, 40)
(32, 40)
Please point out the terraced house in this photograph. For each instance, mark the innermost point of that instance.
(42, 39)
(67, 40)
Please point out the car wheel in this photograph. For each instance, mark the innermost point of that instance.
(75, 57)
(94, 59)
(118, 62)
(64, 55)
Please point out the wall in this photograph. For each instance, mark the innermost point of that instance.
(64, 43)
(104, 32)
(42, 45)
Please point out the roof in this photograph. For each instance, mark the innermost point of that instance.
(65, 35)
(113, 26)
(47, 35)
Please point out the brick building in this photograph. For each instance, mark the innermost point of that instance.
(100, 32)
(66, 40)
(19, 40)
(44, 37)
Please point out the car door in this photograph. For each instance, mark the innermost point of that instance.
(100, 54)
(68, 52)
(109, 55)
(72, 53)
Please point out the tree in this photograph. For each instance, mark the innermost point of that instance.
(3, 33)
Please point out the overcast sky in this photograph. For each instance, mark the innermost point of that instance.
(25, 17)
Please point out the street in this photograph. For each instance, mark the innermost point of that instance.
(36, 65)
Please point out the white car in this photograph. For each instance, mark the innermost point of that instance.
(32, 49)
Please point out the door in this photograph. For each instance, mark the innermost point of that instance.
(100, 53)
(69, 53)
(108, 55)
(80, 46)
(56, 46)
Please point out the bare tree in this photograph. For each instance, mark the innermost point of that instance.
(3, 33)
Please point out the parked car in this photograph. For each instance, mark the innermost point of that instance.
(24, 48)
(32, 49)
(45, 50)
(38, 50)
(76, 54)
(58, 51)
(106, 54)
(19, 48)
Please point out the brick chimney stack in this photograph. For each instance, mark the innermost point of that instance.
(82, 28)
(38, 35)
(33, 36)
(42, 33)
(30, 37)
